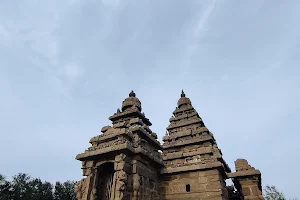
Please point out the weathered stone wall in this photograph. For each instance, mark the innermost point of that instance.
(84, 187)
(146, 190)
(247, 180)
(250, 190)
(145, 180)
(202, 185)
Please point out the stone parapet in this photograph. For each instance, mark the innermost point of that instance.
(151, 156)
(185, 133)
(90, 153)
(191, 168)
(243, 173)
(110, 133)
(178, 143)
(189, 115)
(184, 123)
(182, 109)
(182, 154)
(130, 112)
(147, 135)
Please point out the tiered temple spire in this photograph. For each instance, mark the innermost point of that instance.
(190, 146)
(187, 133)
(125, 122)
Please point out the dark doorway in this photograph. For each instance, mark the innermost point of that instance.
(105, 183)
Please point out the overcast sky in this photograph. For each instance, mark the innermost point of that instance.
(66, 66)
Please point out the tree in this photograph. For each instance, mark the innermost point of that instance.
(5, 191)
(23, 187)
(272, 193)
(64, 191)
(20, 186)
(41, 190)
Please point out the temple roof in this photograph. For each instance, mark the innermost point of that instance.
(187, 137)
(131, 107)
(131, 101)
(129, 132)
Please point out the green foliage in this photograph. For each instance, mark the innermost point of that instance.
(24, 187)
(4, 188)
(64, 191)
(41, 190)
(21, 187)
(272, 193)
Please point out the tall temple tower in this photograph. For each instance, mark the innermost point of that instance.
(194, 167)
(125, 162)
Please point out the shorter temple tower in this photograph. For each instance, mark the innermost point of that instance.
(123, 162)
(126, 162)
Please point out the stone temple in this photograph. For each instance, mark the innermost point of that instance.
(127, 162)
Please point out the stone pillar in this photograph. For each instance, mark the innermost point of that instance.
(84, 187)
(136, 186)
(248, 180)
(120, 178)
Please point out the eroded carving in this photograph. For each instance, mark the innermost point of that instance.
(80, 188)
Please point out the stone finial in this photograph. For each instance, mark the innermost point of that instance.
(132, 94)
(182, 93)
(183, 100)
(131, 102)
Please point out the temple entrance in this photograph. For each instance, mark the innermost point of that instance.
(105, 183)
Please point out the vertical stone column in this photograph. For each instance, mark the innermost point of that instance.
(136, 186)
(250, 189)
(248, 180)
(120, 178)
(84, 187)
(94, 193)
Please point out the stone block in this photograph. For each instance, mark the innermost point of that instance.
(246, 191)
(185, 175)
(248, 182)
(255, 191)
(216, 185)
(202, 179)
(194, 174)
(213, 178)
(201, 187)
(211, 172)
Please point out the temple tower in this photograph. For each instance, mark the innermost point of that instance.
(123, 162)
(193, 163)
